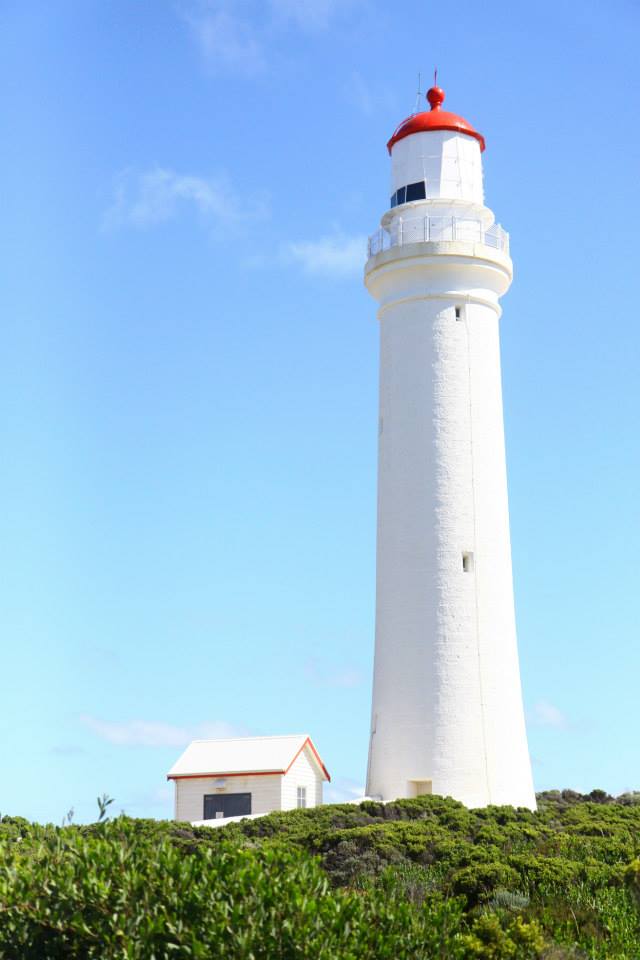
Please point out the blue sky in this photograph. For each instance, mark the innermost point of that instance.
(188, 374)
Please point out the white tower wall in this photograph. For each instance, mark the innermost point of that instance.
(449, 163)
(447, 712)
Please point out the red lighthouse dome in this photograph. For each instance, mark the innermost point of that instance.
(434, 119)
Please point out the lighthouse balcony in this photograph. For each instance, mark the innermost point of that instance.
(438, 230)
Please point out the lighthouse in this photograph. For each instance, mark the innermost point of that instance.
(447, 714)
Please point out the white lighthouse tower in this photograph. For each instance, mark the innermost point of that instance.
(447, 715)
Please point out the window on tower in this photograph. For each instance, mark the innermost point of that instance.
(416, 191)
(413, 191)
(467, 562)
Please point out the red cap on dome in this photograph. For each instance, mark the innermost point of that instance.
(434, 119)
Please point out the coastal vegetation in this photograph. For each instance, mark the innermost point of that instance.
(419, 879)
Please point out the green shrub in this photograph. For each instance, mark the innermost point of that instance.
(123, 891)
(417, 879)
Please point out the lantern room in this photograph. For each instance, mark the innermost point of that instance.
(436, 157)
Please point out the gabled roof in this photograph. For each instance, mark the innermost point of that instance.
(239, 756)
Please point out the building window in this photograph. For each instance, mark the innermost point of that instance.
(301, 798)
(467, 562)
(458, 313)
(416, 191)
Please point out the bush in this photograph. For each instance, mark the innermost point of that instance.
(424, 878)
(120, 891)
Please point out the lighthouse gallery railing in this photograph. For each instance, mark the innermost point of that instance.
(437, 230)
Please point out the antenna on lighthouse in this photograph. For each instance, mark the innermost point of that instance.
(418, 95)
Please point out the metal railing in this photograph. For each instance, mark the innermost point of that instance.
(437, 230)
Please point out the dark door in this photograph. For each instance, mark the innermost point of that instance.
(226, 805)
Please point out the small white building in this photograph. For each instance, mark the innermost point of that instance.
(246, 776)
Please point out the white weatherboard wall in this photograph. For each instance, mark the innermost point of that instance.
(447, 704)
(271, 769)
(302, 773)
(266, 793)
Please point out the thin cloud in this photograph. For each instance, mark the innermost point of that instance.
(238, 36)
(545, 714)
(310, 14)
(332, 675)
(330, 256)
(365, 97)
(343, 790)
(347, 677)
(227, 39)
(359, 94)
(67, 750)
(160, 798)
(155, 196)
(152, 733)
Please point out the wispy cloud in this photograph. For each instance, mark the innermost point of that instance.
(338, 255)
(545, 714)
(154, 196)
(67, 750)
(343, 790)
(365, 97)
(311, 14)
(153, 733)
(238, 36)
(359, 94)
(160, 798)
(332, 675)
(227, 35)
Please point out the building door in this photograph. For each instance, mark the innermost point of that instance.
(420, 788)
(226, 805)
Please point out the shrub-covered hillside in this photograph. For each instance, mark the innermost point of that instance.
(414, 879)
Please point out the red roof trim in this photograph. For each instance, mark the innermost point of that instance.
(219, 776)
(255, 773)
(309, 742)
(434, 119)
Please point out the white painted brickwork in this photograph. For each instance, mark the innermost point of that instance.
(447, 704)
